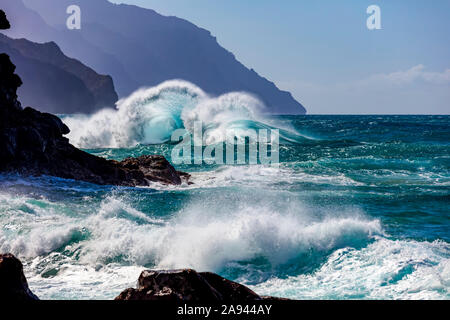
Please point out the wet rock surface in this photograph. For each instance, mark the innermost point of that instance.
(13, 284)
(187, 285)
(33, 143)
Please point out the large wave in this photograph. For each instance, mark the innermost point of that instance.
(101, 237)
(385, 269)
(193, 237)
(148, 116)
(66, 256)
(151, 115)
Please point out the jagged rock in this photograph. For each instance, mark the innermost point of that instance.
(13, 284)
(187, 285)
(32, 143)
(4, 23)
(9, 82)
(171, 285)
(155, 168)
(231, 291)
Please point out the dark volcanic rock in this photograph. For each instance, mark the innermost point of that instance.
(32, 143)
(154, 168)
(9, 82)
(187, 285)
(13, 284)
(4, 23)
(56, 83)
(231, 291)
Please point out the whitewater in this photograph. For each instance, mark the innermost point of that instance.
(357, 209)
(151, 115)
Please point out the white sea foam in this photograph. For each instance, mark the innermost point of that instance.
(218, 115)
(33, 227)
(80, 282)
(205, 236)
(261, 176)
(106, 244)
(385, 269)
(149, 116)
(208, 241)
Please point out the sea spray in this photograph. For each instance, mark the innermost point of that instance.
(385, 269)
(147, 116)
(151, 115)
(218, 114)
(207, 234)
(359, 211)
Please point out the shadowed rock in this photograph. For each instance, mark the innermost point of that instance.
(56, 83)
(187, 285)
(13, 284)
(4, 23)
(32, 143)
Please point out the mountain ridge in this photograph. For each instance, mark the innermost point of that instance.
(55, 82)
(71, 43)
(152, 48)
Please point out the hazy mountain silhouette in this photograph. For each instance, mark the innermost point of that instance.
(28, 24)
(148, 48)
(54, 82)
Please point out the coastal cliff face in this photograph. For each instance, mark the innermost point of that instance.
(139, 47)
(54, 82)
(32, 143)
(4, 23)
(13, 284)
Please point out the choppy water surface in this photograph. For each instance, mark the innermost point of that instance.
(359, 208)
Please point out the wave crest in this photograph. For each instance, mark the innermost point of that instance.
(150, 115)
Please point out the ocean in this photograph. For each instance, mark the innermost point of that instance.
(358, 208)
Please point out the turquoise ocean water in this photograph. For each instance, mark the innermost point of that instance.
(359, 208)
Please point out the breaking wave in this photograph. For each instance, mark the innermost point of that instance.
(194, 237)
(108, 245)
(385, 269)
(151, 115)
(359, 214)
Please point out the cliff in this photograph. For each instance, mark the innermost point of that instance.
(33, 143)
(150, 47)
(54, 82)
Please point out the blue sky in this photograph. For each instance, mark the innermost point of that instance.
(322, 51)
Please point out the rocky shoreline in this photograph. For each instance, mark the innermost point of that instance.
(13, 284)
(33, 143)
(184, 285)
